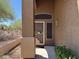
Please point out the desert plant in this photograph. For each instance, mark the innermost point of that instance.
(16, 25)
(64, 53)
(5, 35)
(6, 12)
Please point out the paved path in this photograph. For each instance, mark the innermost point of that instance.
(47, 52)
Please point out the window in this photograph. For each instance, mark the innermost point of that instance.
(49, 30)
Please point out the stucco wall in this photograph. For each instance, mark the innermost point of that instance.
(27, 21)
(44, 6)
(27, 43)
(67, 27)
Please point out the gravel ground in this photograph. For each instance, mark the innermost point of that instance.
(2, 43)
(14, 54)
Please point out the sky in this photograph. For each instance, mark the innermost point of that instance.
(16, 6)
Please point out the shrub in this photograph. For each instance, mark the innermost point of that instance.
(64, 53)
(6, 35)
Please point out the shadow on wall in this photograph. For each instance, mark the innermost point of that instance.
(51, 52)
(40, 57)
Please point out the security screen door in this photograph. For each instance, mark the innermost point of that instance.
(40, 32)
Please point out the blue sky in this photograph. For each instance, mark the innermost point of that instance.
(16, 6)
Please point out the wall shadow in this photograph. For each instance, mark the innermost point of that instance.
(39, 57)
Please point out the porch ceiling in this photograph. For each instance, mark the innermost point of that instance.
(37, 2)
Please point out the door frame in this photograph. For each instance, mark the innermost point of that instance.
(43, 22)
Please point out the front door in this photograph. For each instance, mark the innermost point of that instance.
(40, 32)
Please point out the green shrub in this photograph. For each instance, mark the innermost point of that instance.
(64, 53)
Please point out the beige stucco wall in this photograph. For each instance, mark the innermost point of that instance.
(28, 47)
(65, 14)
(27, 43)
(27, 22)
(44, 6)
(67, 27)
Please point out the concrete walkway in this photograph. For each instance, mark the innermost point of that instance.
(47, 52)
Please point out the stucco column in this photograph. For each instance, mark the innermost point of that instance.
(27, 46)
